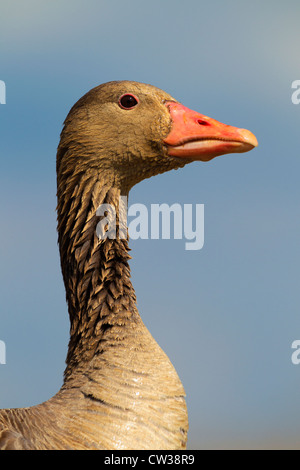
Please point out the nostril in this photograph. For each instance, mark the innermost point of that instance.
(202, 122)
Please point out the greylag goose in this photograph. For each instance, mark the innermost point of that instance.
(120, 390)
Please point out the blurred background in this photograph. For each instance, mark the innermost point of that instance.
(225, 315)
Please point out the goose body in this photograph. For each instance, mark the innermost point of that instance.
(120, 390)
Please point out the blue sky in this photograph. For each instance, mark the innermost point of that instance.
(226, 315)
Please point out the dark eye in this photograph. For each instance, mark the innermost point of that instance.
(128, 101)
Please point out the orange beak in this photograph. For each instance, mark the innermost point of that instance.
(197, 137)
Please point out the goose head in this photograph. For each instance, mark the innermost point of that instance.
(130, 131)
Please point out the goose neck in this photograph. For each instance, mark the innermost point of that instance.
(94, 259)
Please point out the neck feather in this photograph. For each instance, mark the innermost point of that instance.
(96, 272)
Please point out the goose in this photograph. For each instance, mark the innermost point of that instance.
(120, 390)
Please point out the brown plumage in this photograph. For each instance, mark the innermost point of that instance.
(120, 390)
